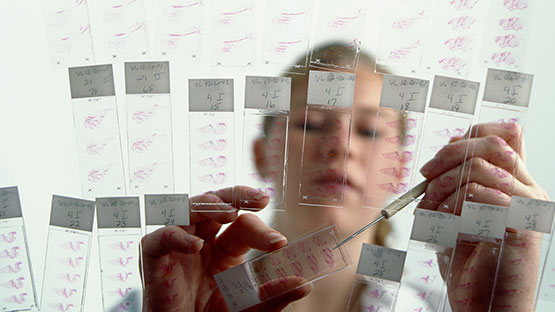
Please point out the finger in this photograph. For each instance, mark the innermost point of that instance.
(491, 148)
(168, 239)
(276, 296)
(474, 192)
(474, 269)
(209, 205)
(510, 132)
(480, 171)
(455, 139)
(521, 248)
(207, 229)
(246, 233)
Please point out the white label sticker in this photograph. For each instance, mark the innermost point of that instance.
(237, 288)
(381, 262)
(531, 214)
(330, 88)
(483, 220)
(434, 227)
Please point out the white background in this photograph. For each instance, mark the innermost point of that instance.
(37, 143)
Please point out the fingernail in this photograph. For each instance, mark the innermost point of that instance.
(275, 237)
(427, 168)
(311, 288)
(195, 241)
(256, 194)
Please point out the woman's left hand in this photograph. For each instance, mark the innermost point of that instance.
(489, 163)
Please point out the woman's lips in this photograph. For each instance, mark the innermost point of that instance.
(334, 180)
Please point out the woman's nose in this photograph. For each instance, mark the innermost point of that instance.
(333, 145)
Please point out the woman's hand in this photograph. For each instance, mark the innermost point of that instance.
(179, 262)
(490, 172)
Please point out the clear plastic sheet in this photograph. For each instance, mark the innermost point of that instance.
(504, 106)
(507, 27)
(428, 257)
(402, 106)
(475, 246)
(286, 34)
(162, 210)
(16, 276)
(450, 114)
(326, 138)
(69, 32)
(476, 257)
(305, 260)
(454, 37)
(546, 292)
(124, 29)
(97, 130)
(403, 34)
(529, 224)
(67, 254)
(339, 21)
(233, 25)
(266, 119)
(371, 294)
(180, 31)
(378, 278)
(149, 127)
(119, 236)
(211, 138)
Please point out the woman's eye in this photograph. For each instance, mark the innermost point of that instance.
(310, 126)
(368, 132)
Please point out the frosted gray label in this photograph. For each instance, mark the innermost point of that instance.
(91, 81)
(455, 95)
(268, 93)
(147, 77)
(508, 87)
(118, 212)
(404, 93)
(210, 95)
(172, 209)
(72, 213)
(10, 207)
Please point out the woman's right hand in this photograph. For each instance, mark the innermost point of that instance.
(179, 263)
(496, 172)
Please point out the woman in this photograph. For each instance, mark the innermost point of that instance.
(180, 263)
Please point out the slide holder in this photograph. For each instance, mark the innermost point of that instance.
(16, 276)
(149, 127)
(97, 130)
(399, 120)
(67, 254)
(450, 114)
(326, 138)
(305, 260)
(476, 256)
(266, 119)
(378, 279)
(211, 139)
(504, 107)
(119, 236)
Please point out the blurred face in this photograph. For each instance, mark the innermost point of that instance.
(339, 145)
